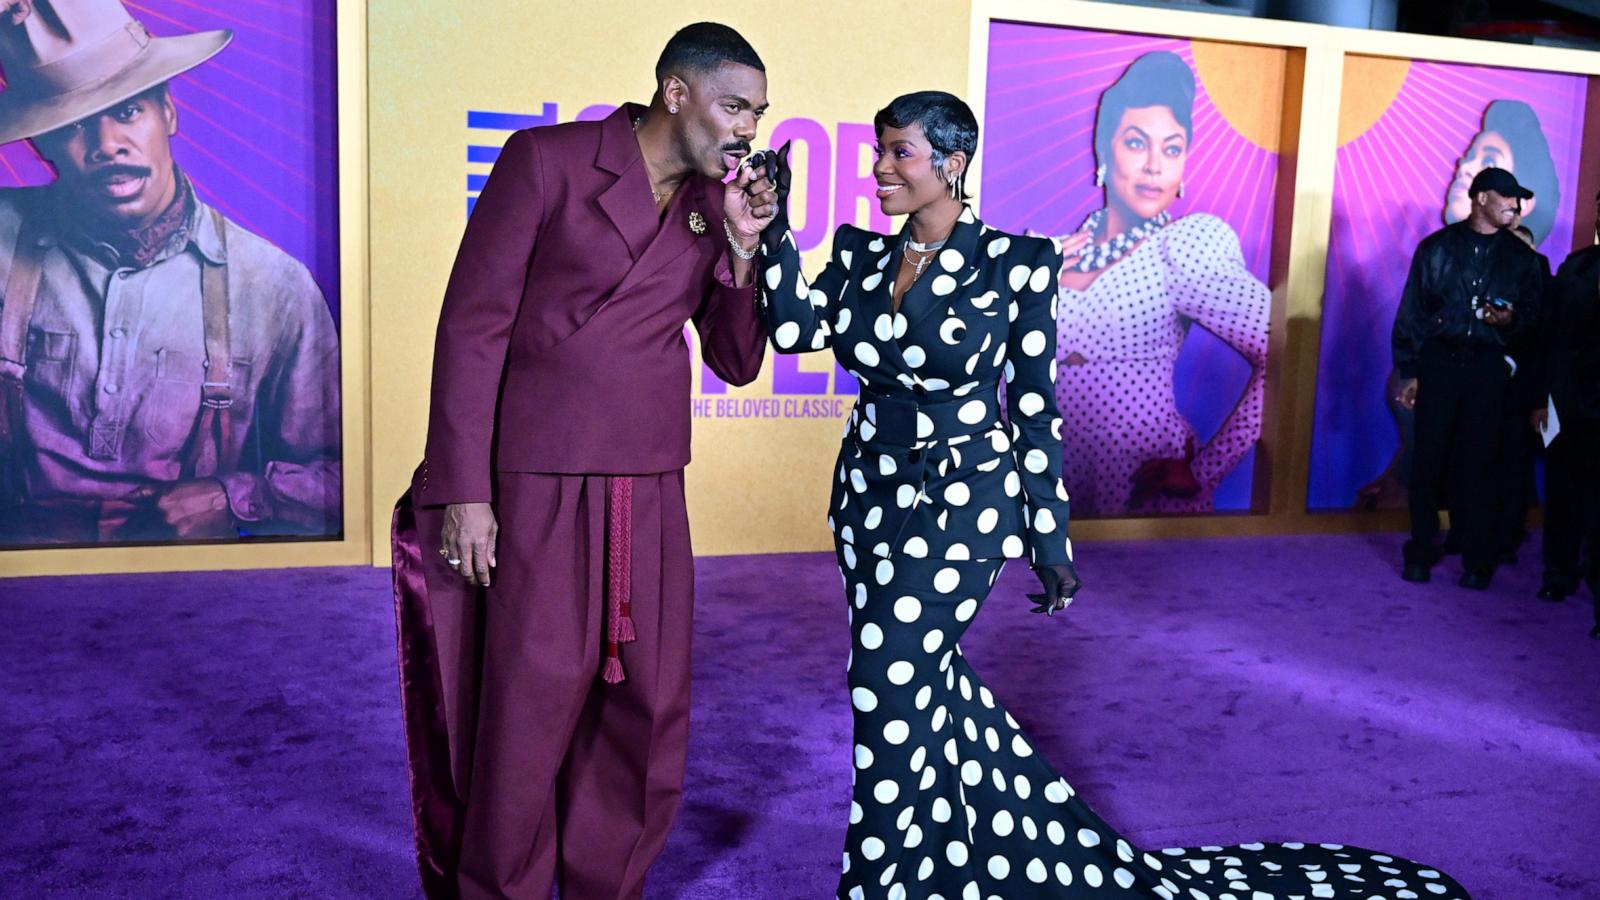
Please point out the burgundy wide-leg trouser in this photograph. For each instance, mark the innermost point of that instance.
(527, 767)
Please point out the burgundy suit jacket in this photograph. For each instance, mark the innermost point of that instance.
(561, 342)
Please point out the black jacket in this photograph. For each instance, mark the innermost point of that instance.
(928, 467)
(1571, 330)
(1454, 271)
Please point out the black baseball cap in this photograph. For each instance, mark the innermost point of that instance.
(1501, 182)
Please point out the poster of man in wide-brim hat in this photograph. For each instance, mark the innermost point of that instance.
(165, 373)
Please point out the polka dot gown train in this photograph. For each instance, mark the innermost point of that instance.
(932, 493)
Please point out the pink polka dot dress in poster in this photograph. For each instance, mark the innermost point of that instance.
(1112, 144)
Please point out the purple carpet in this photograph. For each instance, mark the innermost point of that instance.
(238, 735)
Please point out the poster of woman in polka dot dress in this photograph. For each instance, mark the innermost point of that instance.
(1164, 210)
(938, 484)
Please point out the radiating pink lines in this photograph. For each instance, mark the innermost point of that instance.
(238, 47)
(1042, 95)
(322, 16)
(297, 173)
(249, 112)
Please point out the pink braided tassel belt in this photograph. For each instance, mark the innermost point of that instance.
(619, 575)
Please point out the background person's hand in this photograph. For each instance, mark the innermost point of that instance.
(1499, 316)
(1407, 395)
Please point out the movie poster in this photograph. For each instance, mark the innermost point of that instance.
(1155, 162)
(1412, 135)
(169, 346)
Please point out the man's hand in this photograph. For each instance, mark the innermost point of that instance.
(749, 203)
(1407, 395)
(1540, 419)
(468, 539)
(756, 195)
(194, 510)
(1060, 584)
(1499, 316)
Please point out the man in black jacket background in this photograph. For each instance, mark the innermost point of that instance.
(1517, 489)
(1571, 376)
(1470, 303)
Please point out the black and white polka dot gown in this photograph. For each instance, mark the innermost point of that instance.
(933, 492)
(1119, 341)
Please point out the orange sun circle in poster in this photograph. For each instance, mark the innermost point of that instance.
(1371, 85)
(1245, 83)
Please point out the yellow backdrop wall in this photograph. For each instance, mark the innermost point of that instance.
(757, 483)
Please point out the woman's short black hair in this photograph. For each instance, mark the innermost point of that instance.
(1518, 126)
(946, 120)
(1160, 78)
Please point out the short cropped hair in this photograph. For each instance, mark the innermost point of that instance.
(703, 47)
(946, 121)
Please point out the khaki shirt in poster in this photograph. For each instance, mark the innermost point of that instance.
(116, 357)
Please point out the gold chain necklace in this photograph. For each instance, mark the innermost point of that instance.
(654, 194)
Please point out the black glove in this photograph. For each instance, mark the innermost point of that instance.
(774, 164)
(1060, 584)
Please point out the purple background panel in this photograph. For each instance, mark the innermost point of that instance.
(1044, 85)
(1389, 193)
(257, 125)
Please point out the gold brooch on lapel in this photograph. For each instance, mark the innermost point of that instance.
(697, 223)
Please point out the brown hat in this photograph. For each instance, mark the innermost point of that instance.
(66, 60)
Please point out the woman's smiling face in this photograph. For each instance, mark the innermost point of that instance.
(907, 178)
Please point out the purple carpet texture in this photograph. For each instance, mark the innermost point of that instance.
(238, 735)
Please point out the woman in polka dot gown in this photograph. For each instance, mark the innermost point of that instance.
(1127, 305)
(932, 494)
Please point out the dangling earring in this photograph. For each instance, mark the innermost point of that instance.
(1180, 189)
(953, 180)
(1100, 176)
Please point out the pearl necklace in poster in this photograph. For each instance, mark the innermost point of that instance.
(1104, 254)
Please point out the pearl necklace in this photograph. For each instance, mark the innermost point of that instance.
(1105, 253)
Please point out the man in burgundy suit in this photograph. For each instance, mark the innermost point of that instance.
(544, 581)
